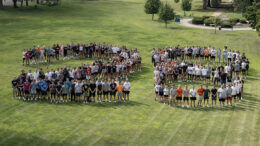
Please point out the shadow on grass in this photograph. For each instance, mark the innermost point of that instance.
(9, 137)
(103, 104)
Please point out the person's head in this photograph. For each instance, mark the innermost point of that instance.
(179, 86)
(193, 87)
(186, 87)
(201, 86)
(173, 87)
(214, 86)
(14, 78)
(207, 87)
(126, 80)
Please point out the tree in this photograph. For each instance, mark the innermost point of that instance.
(250, 15)
(166, 14)
(186, 5)
(241, 5)
(15, 3)
(152, 7)
(204, 4)
(1, 5)
(176, 1)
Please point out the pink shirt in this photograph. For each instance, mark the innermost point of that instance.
(26, 86)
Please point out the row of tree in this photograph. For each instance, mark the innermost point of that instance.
(252, 14)
(165, 11)
(37, 2)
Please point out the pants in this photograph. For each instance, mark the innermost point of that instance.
(72, 96)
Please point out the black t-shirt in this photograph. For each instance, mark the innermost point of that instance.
(14, 83)
(85, 87)
(99, 86)
(72, 87)
(223, 76)
(206, 92)
(214, 92)
(113, 86)
(59, 87)
(92, 86)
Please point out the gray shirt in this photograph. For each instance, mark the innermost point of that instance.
(229, 92)
(222, 93)
(173, 92)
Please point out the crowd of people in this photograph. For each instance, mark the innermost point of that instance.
(224, 68)
(106, 79)
(37, 54)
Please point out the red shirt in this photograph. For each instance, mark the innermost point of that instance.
(200, 91)
(88, 71)
(179, 92)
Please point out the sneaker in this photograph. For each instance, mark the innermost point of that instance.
(182, 106)
(207, 105)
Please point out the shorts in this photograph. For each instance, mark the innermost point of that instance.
(222, 99)
(15, 89)
(243, 70)
(64, 94)
(179, 98)
(213, 98)
(105, 92)
(212, 57)
(206, 97)
(200, 97)
(120, 93)
(193, 98)
(112, 92)
(85, 94)
(166, 96)
(92, 94)
(44, 93)
(99, 92)
(78, 94)
(223, 81)
(156, 93)
(229, 98)
(26, 92)
(161, 93)
(229, 59)
(186, 98)
(127, 92)
(33, 91)
(234, 96)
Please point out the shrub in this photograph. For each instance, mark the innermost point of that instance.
(226, 25)
(243, 21)
(212, 20)
(234, 20)
(197, 20)
(205, 17)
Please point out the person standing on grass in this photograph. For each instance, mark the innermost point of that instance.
(33, 87)
(119, 89)
(161, 92)
(113, 90)
(173, 93)
(85, 92)
(222, 95)
(72, 91)
(99, 91)
(214, 92)
(186, 96)
(156, 89)
(200, 93)
(127, 87)
(26, 87)
(166, 94)
(206, 94)
(193, 93)
(219, 55)
(78, 90)
(15, 87)
(53, 92)
(234, 93)
(224, 54)
(229, 95)
(179, 95)
(44, 89)
(92, 90)
(65, 92)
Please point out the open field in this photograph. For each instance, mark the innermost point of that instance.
(142, 121)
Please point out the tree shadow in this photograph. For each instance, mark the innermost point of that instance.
(102, 105)
(9, 137)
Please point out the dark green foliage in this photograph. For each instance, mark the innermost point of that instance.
(251, 14)
(152, 7)
(212, 20)
(243, 21)
(186, 5)
(198, 20)
(234, 20)
(166, 14)
(226, 25)
(176, 1)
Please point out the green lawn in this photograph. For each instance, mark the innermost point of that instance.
(142, 121)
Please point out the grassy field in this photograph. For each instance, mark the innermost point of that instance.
(142, 121)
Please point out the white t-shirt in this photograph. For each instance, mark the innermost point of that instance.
(156, 72)
(204, 71)
(197, 70)
(165, 91)
(193, 92)
(227, 69)
(156, 88)
(229, 54)
(213, 52)
(234, 92)
(127, 86)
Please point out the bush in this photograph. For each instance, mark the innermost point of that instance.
(234, 20)
(212, 20)
(205, 17)
(197, 20)
(243, 21)
(226, 25)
